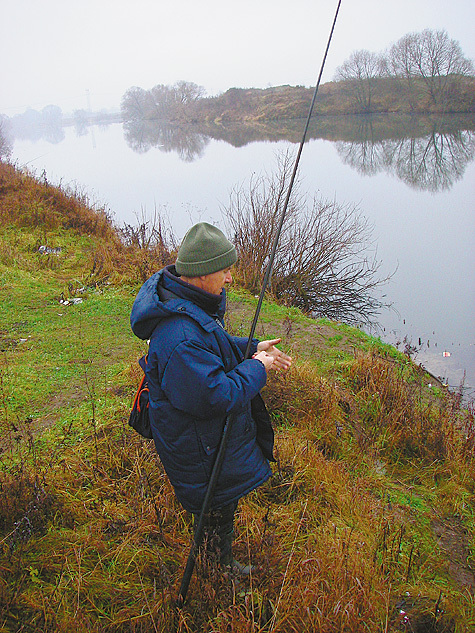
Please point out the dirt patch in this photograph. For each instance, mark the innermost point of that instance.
(454, 539)
(7, 343)
(303, 340)
(10, 337)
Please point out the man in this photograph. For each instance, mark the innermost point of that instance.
(197, 377)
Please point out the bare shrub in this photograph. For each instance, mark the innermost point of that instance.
(150, 232)
(322, 263)
(152, 241)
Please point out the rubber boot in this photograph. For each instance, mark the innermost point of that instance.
(225, 544)
(227, 560)
(218, 540)
(218, 531)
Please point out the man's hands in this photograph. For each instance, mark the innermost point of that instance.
(272, 357)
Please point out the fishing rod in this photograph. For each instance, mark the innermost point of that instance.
(198, 531)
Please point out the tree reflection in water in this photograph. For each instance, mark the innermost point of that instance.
(431, 162)
(424, 152)
(141, 136)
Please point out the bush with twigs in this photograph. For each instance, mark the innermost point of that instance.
(321, 266)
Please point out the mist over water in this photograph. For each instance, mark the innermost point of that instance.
(415, 185)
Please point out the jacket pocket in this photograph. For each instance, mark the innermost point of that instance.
(207, 446)
(210, 437)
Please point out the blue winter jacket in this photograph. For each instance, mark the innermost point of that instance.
(197, 377)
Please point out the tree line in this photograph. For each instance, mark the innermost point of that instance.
(161, 102)
(422, 72)
(429, 69)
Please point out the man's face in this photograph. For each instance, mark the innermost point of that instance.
(215, 282)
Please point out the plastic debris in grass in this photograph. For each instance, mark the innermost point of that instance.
(71, 301)
(48, 250)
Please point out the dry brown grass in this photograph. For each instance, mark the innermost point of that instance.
(94, 540)
(32, 202)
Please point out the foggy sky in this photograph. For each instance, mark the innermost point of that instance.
(60, 51)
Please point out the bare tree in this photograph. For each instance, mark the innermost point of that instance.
(188, 92)
(322, 264)
(136, 104)
(360, 72)
(430, 59)
(161, 102)
(5, 143)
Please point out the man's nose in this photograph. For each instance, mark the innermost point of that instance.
(228, 279)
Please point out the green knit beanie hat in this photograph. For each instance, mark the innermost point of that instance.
(204, 250)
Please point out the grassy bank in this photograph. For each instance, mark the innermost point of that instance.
(256, 105)
(366, 525)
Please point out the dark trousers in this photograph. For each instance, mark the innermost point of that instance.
(218, 531)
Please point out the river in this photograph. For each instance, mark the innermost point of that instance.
(413, 180)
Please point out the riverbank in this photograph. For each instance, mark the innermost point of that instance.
(366, 525)
(253, 105)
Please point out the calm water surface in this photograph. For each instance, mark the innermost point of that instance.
(424, 223)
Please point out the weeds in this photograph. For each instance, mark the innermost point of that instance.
(46, 210)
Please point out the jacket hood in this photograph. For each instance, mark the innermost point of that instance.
(165, 294)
